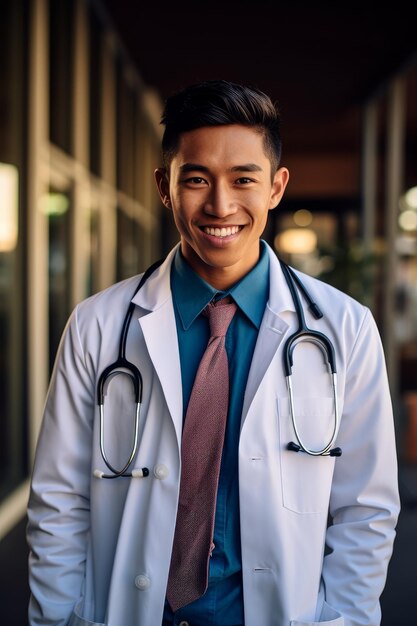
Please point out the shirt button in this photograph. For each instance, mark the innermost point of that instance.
(142, 582)
(161, 471)
(184, 624)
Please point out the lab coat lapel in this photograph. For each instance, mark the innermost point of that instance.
(271, 334)
(272, 331)
(160, 335)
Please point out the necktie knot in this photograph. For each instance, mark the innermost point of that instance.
(219, 314)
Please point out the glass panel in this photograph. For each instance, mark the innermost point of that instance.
(129, 259)
(141, 179)
(95, 77)
(58, 208)
(94, 278)
(13, 375)
(126, 131)
(61, 72)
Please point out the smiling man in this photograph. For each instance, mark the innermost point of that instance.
(232, 510)
(221, 185)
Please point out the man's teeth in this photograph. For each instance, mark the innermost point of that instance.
(221, 232)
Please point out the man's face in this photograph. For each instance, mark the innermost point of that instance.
(220, 190)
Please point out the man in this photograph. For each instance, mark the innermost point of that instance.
(297, 538)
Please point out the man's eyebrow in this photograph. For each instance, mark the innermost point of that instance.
(247, 167)
(193, 167)
(197, 167)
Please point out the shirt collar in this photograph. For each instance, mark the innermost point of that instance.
(191, 293)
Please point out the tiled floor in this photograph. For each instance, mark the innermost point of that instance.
(399, 600)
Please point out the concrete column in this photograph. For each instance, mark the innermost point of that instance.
(369, 181)
(393, 188)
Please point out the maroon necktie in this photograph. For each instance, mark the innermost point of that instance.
(201, 453)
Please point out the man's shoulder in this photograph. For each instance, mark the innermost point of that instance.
(338, 307)
(122, 290)
(320, 286)
(117, 296)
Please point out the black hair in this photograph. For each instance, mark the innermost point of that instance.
(219, 103)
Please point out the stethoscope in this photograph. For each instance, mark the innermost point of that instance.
(127, 368)
(306, 334)
(124, 367)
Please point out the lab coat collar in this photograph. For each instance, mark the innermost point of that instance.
(157, 289)
(280, 299)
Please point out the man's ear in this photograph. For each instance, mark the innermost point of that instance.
(162, 183)
(279, 184)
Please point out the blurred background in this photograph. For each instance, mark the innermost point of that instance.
(82, 86)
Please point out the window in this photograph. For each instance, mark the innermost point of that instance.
(93, 280)
(13, 444)
(58, 208)
(129, 261)
(61, 73)
(95, 91)
(126, 121)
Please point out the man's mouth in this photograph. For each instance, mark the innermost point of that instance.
(221, 232)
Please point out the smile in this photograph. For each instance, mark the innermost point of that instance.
(221, 232)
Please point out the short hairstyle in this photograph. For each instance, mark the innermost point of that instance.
(219, 103)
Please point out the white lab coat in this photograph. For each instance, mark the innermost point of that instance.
(101, 548)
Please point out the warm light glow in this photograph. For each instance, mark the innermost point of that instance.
(409, 199)
(54, 203)
(9, 202)
(303, 217)
(408, 220)
(296, 241)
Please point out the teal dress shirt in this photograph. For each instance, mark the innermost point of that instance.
(223, 601)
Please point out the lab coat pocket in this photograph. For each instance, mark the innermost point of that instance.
(77, 620)
(329, 616)
(306, 479)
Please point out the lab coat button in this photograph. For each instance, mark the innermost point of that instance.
(142, 582)
(184, 623)
(161, 471)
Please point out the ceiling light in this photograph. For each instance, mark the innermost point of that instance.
(296, 241)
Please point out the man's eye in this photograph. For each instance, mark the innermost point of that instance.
(244, 180)
(195, 180)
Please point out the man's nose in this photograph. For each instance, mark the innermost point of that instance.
(221, 201)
